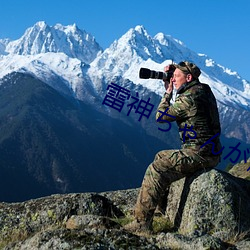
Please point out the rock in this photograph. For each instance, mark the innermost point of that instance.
(243, 245)
(90, 221)
(124, 199)
(212, 202)
(20, 220)
(63, 239)
(209, 210)
(178, 241)
(240, 170)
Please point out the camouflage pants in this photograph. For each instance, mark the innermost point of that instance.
(167, 167)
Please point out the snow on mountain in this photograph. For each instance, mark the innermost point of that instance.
(42, 38)
(68, 53)
(57, 55)
(125, 54)
(137, 49)
(70, 60)
(3, 43)
(63, 73)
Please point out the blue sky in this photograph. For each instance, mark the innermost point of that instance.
(218, 28)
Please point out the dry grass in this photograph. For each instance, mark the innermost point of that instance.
(238, 237)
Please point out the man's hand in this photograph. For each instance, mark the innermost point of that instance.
(168, 85)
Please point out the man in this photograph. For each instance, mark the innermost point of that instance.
(195, 111)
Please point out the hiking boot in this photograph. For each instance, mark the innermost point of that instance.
(140, 227)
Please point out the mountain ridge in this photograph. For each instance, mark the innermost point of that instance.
(42, 38)
(56, 141)
(146, 51)
(88, 82)
(55, 144)
(135, 49)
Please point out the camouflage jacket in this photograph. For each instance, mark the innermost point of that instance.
(196, 113)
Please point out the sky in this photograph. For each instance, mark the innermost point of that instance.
(217, 28)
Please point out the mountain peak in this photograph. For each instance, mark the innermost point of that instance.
(140, 29)
(167, 40)
(69, 28)
(42, 38)
(41, 24)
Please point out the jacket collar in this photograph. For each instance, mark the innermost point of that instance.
(187, 85)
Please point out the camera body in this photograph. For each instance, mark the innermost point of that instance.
(146, 73)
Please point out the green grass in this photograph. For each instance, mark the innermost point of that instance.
(160, 223)
(123, 220)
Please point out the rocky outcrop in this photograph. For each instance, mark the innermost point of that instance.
(210, 202)
(209, 210)
(241, 170)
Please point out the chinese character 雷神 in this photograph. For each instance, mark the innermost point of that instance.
(117, 95)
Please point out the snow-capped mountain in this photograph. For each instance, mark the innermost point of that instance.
(3, 43)
(41, 38)
(71, 61)
(50, 54)
(137, 49)
(75, 56)
(50, 137)
(64, 73)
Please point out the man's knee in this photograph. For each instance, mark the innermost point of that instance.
(164, 154)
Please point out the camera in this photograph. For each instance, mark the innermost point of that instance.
(145, 73)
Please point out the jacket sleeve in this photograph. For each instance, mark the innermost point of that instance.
(182, 108)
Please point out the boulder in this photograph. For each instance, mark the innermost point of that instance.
(22, 220)
(210, 202)
(241, 170)
(178, 241)
(209, 210)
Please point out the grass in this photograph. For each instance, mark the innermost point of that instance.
(15, 236)
(123, 220)
(238, 237)
(160, 223)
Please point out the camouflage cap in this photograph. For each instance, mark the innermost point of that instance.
(189, 68)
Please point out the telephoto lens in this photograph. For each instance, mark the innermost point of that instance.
(147, 73)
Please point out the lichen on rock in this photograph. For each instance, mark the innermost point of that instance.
(209, 210)
(211, 202)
